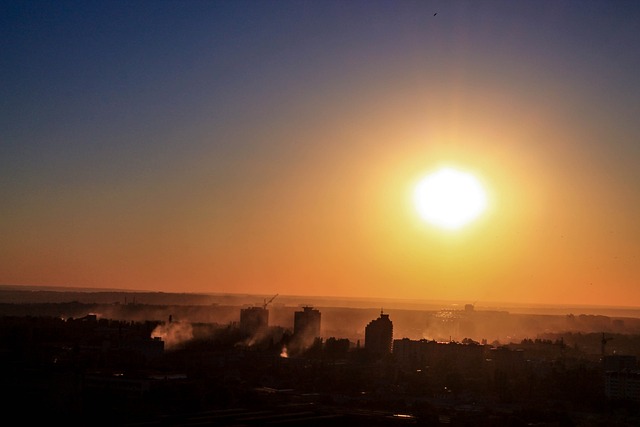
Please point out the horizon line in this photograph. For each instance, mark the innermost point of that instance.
(487, 304)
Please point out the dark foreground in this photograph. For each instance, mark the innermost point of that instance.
(91, 371)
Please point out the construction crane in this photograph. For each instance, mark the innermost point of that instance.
(266, 303)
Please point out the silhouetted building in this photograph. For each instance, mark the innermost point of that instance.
(306, 325)
(623, 384)
(411, 353)
(253, 320)
(378, 335)
(505, 360)
(619, 362)
(418, 354)
(621, 377)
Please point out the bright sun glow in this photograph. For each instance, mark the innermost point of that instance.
(449, 198)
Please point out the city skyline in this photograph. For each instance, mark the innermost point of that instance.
(273, 148)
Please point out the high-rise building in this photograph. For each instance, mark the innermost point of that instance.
(306, 324)
(378, 335)
(253, 320)
(619, 362)
(621, 377)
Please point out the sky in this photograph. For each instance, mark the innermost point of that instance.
(274, 147)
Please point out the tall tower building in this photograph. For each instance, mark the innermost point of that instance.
(378, 335)
(306, 325)
(253, 320)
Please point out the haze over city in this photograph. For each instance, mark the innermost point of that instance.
(276, 147)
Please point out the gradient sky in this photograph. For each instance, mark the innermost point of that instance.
(273, 147)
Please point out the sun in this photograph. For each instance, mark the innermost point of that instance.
(449, 198)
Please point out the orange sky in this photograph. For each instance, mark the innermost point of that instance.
(288, 168)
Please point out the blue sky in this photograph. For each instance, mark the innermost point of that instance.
(254, 146)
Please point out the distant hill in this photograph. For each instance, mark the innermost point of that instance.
(58, 294)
